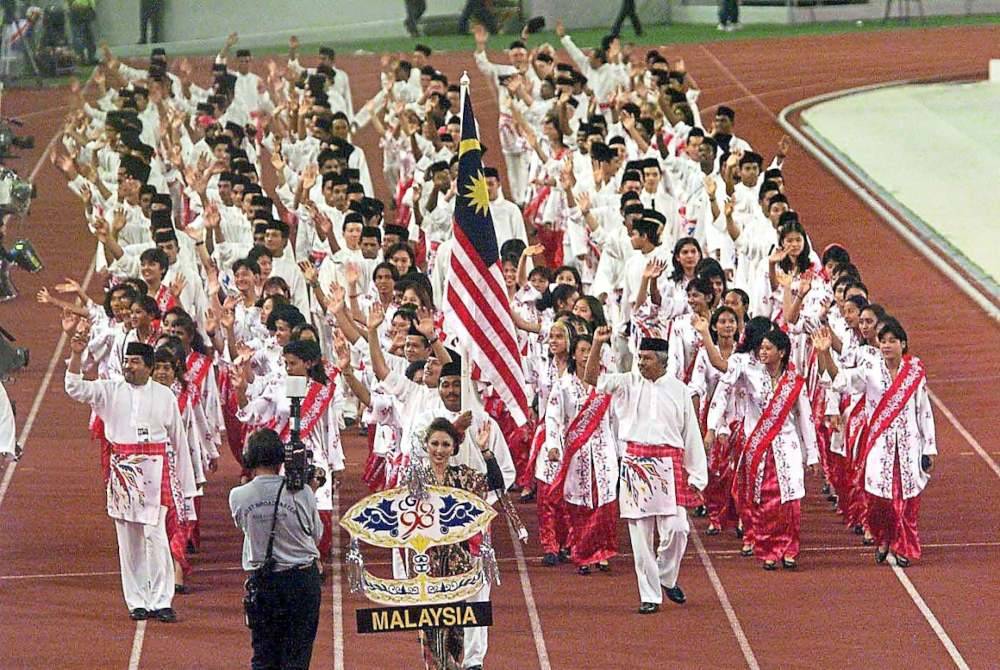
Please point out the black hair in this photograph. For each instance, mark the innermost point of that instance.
(290, 314)
(185, 322)
(165, 354)
(419, 284)
(856, 283)
(248, 263)
(766, 186)
(301, 328)
(257, 252)
(837, 254)
(513, 246)
(130, 293)
(174, 345)
(704, 286)
(306, 351)
(158, 256)
(571, 364)
(857, 301)
(678, 273)
(442, 425)
(753, 333)
(264, 449)
(710, 268)
(648, 229)
(779, 339)
(890, 326)
(372, 231)
(713, 322)
(596, 312)
(386, 265)
(149, 305)
(279, 283)
(558, 294)
(802, 263)
(401, 246)
(744, 298)
(413, 368)
(847, 270)
(573, 271)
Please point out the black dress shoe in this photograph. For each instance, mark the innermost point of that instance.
(675, 594)
(902, 561)
(880, 556)
(648, 608)
(548, 560)
(166, 615)
(700, 511)
(181, 589)
(563, 555)
(712, 530)
(604, 566)
(770, 565)
(859, 529)
(583, 570)
(739, 533)
(789, 563)
(868, 542)
(139, 614)
(746, 552)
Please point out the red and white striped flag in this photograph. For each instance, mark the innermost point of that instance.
(476, 307)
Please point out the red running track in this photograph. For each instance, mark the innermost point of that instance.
(60, 602)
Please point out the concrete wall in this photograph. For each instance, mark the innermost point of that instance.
(258, 21)
(205, 23)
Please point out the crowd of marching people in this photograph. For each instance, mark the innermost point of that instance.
(684, 343)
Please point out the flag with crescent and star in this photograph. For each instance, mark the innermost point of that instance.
(477, 309)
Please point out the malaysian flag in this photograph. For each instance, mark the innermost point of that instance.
(476, 308)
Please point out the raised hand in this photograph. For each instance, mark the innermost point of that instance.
(43, 296)
(534, 250)
(352, 273)
(69, 322)
(342, 349)
(425, 323)
(480, 35)
(308, 271)
(602, 335)
(277, 161)
(68, 286)
(822, 339)
(376, 315)
(784, 146)
(177, 286)
(783, 278)
(335, 298)
(700, 324)
(654, 268)
(483, 435)
(560, 29)
(710, 185)
(583, 202)
(212, 217)
(777, 256)
(228, 318)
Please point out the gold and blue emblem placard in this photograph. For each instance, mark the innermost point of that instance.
(397, 519)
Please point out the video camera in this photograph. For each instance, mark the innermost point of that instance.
(12, 359)
(299, 468)
(9, 138)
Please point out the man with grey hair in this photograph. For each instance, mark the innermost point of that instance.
(659, 427)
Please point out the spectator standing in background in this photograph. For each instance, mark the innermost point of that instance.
(150, 16)
(729, 15)
(414, 10)
(82, 15)
(482, 11)
(627, 11)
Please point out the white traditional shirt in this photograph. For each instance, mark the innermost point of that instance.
(910, 436)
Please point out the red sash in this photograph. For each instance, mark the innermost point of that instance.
(580, 430)
(198, 367)
(689, 368)
(772, 419)
(314, 406)
(165, 299)
(911, 373)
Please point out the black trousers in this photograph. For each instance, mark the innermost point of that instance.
(414, 10)
(627, 11)
(284, 638)
(151, 15)
(477, 9)
(729, 12)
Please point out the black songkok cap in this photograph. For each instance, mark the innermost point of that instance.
(140, 349)
(652, 344)
(491, 172)
(160, 219)
(452, 369)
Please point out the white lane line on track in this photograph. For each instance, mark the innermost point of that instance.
(136, 655)
(36, 404)
(529, 600)
(911, 590)
(337, 588)
(935, 625)
(727, 607)
(973, 442)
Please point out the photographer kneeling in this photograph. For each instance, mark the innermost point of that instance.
(281, 528)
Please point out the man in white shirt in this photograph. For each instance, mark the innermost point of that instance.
(508, 222)
(142, 426)
(283, 263)
(654, 490)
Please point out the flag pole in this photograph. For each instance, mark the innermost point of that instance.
(470, 398)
